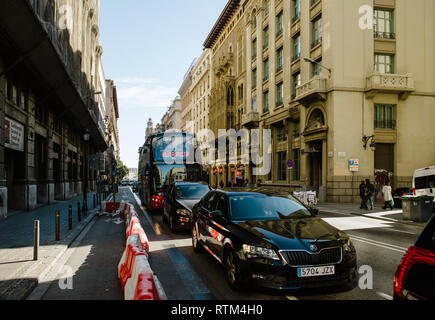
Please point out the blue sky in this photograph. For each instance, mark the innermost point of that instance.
(148, 47)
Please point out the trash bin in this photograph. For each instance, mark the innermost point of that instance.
(418, 209)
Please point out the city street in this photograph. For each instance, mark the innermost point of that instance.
(289, 140)
(187, 275)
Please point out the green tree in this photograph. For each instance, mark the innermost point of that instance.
(122, 170)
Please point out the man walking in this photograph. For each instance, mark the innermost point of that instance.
(363, 195)
(371, 192)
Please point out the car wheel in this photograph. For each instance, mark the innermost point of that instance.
(195, 241)
(232, 270)
(172, 223)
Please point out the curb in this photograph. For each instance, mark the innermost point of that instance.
(21, 288)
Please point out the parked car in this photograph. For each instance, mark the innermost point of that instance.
(267, 238)
(423, 182)
(415, 276)
(179, 201)
(398, 194)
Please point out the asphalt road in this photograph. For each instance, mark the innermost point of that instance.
(380, 247)
(186, 275)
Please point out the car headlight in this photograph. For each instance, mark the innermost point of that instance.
(259, 252)
(348, 247)
(184, 213)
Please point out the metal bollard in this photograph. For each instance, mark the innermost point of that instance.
(36, 240)
(79, 214)
(95, 201)
(70, 220)
(85, 207)
(58, 225)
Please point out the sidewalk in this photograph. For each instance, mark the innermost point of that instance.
(395, 215)
(19, 274)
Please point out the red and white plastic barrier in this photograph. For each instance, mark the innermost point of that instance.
(134, 271)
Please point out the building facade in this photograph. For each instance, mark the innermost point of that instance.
(346, 88)
(49, 82)
(227, 43)
(200, 90)
(187, 102)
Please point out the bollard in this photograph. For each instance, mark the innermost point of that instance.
(85, 207)
(94, 201)
(70, 220)
(35, 240)
(79, 215)
(58, 225)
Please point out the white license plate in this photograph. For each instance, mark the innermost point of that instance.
(316, 271)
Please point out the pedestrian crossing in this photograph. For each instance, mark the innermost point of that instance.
(357, 223)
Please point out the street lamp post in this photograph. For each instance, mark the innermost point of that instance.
(319, 64)
(86, 138)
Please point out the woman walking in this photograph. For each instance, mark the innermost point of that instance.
(388, 196)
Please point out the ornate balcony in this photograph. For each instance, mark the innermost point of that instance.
(251, 119)
(313, 90)
(402, 84)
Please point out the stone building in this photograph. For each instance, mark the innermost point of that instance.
(227, 43)
(200, 90)
(345, 99)
(172, 120)
(187, 102)
(49, 99)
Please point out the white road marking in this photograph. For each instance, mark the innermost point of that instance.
(291, 298)
(356, 223)
(406, 232)
(379, 244)
(384, 295)
(147, 216)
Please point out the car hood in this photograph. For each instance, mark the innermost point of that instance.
(188, 204)
(288, 234)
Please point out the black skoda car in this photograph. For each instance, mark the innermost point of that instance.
(268, 239)
(180, 198)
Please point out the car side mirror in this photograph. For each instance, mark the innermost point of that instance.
(314, 211)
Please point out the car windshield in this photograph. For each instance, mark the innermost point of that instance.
(261, 207)
(191, 191)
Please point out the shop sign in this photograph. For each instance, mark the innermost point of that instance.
(14, 135)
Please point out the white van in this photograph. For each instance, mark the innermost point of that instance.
(423, 182)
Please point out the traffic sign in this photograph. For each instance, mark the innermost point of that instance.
(290, 164)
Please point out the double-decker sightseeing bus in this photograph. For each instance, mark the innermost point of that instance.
(166, 158)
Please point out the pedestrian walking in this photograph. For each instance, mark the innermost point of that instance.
(388, 196)
(221, 184)
(363, 195)
(371, 192)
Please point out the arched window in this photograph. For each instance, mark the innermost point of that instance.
(254, 18)
(230, 96)
(266, 7)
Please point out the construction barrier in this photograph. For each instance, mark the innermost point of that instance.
(138, 280)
